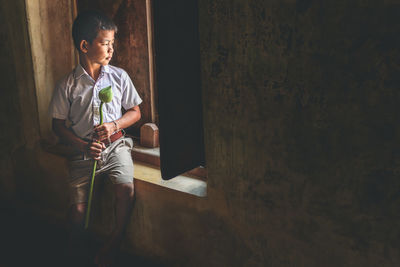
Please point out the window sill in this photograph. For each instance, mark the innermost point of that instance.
(147, 168)
(151, 174)
(152, 156)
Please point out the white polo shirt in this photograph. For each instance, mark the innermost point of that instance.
(76, 98)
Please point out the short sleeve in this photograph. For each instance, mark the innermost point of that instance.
(59, 105)
(130, 97)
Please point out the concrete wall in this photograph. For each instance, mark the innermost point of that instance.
(31, 63)
(19, 128)
(302, 128)
(53, 53)
(301, 132)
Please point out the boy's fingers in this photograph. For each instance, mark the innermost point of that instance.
(100, 127)
(97, 145)
(95, 155)
(105, 127)
(104, 131)
(95, 149)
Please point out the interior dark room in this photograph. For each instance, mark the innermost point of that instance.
(279, 132)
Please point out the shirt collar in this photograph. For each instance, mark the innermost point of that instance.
(79, 70)
(105, 69)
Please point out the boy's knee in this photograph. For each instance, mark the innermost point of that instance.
(124, 191)
(77, 213)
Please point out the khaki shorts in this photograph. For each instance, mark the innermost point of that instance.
(116, 162)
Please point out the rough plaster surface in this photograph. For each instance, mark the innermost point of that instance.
(302, 128)
(28, 175)
(17, 89)
(53, 53)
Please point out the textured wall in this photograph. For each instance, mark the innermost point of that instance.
(302, 128)
(18, 129)
(28, 175)
(52, 50)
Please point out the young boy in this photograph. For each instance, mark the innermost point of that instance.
(76, 99)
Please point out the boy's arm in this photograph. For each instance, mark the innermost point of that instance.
(130, 117)
(92, 148)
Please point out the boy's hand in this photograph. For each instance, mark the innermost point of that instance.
(94, 149)
(104, 131)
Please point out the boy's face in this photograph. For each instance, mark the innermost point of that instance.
(102, 48)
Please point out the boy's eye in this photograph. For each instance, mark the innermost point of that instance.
(107, 44)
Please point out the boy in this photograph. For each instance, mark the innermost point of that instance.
(76, 99)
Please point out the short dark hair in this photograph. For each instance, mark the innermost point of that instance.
(87, 25)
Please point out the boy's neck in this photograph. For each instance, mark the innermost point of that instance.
(92, 69)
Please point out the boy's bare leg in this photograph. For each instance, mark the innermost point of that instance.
(124, 196)
(76, 233)
(76, 214)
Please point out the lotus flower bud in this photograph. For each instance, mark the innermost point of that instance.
(106, 94)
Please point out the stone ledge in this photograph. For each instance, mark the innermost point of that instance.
(152, 156)
(148, 173)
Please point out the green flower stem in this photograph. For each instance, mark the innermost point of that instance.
(101, 112)
(93, 174)
(90, 196)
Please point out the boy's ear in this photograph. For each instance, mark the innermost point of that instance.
(83, 46)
